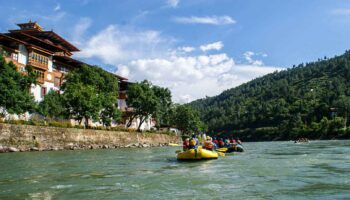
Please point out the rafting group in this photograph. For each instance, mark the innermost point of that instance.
(211, 148)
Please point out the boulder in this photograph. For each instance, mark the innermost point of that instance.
(12, 149)
(34, 149)
(2, 149)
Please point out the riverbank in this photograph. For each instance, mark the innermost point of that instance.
(22, 138)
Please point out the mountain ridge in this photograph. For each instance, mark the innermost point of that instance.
(309, 100)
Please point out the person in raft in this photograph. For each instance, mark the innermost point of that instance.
(233, 141)
(239, 141)
(186, 144)
(193, 142)
(221, 143)
(215, 141)
(208, 144)
(227, 143)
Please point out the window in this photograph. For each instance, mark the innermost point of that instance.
(14, 56)
(40, 74)
(39, 58)
(57, 82)
(43, 91)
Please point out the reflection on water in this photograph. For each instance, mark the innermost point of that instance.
(267, 170)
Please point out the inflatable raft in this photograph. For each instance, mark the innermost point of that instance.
(234, 148)
(197, 154)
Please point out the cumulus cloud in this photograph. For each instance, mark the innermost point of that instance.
(116, 44)
(212, 46)
(188, 73)
(173, 3)
(213, 20)
(193, 77)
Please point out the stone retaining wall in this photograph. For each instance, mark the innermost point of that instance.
(26, 138)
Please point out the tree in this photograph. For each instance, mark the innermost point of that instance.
(162, 114)
(187, 120)
(143, 100)
(52, 106)
(343, 103)
(90, 93)
(82, 102)
(15, 97)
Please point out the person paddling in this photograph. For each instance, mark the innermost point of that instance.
(186, 144)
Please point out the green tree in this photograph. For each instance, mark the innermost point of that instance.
(162, 114)
(52, 106)
(187, 120)
(343, 105)
(90, 93)
(143, 100)
(15, 97)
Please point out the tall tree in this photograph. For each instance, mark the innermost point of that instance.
(15, 97)
(186, 119)
(143, 100)
(162, 114)
(90, 93)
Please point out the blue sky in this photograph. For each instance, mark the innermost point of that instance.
(196, 48)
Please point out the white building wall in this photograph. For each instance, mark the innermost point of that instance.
(122, 104)
(50, 66)
(49, 86)
(36, 91)
(23, 55)
(146, 125)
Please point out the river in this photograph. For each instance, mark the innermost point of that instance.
(267, 170)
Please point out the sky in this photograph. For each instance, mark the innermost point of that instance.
(196, 48)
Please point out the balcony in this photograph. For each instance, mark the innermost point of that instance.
(38, 64)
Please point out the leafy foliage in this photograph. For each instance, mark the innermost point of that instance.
(309, 100)
(186, 119)
(52, 106)
(91, 93)
(142, 98)
(15, 97)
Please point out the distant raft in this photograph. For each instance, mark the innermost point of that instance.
(197, 154)
(174, 145)
(234, 148)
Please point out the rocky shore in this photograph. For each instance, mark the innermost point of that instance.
(71, 146)
(24, 138)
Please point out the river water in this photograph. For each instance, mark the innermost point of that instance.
(267, 170)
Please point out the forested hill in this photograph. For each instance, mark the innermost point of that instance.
(309, 100)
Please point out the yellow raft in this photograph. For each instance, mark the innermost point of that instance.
(174, 145)
(197, 154)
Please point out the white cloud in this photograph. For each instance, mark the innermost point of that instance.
(213, 20)
(341, 11)
(249, 58)
(187, 49)
(173, 3)
(193, 77)
(57, 7)
(79, 30)
(148, 54)
(117, 44)
(213, 46)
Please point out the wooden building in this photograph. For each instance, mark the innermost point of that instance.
(49, 54)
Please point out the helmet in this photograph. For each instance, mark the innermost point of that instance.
(193, 142)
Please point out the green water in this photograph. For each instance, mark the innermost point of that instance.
(267, 170)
